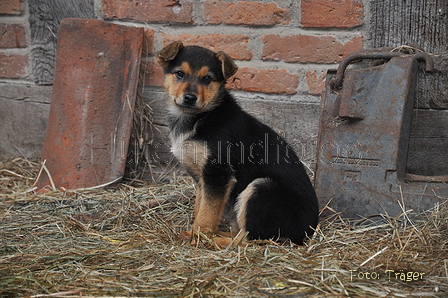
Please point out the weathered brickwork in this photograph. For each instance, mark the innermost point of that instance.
(283, 48)
(148, 10)
(271, 38)
(245, 13)
(234, 45)
(10, 7)
(307, 49)
(12, 36)
(13, 66)
(331, 13)
(273, 81)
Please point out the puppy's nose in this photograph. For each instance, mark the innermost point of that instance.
(190, 99)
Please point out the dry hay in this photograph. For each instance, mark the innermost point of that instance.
(123, 242)
(140, 138)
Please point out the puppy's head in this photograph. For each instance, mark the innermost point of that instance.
(194, 76)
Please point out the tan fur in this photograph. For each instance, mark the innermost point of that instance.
(185, 67)
(172, 87)
(203, 72)
(198, 199)
(207, 94)
(241, 206)
(210, 209)
(175, 89)
(207, 213)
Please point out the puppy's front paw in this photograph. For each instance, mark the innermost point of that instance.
(190, 235)
(223, 242)
(186, 235)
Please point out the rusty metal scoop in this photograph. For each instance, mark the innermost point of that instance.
(363, 138)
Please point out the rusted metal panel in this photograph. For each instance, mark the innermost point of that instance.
(363, 139)
(92, 103)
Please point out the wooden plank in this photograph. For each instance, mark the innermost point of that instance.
(23, 112)
(423, 23)
(22, 128)
(429, 124)
(297, 122)
(416, 22)
(420, 22)
(428, 156)
(26, 93)
(432, 88)
(428, 143)
(45, 17)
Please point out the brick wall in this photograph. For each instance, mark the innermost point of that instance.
(13, 41)
(283, 48)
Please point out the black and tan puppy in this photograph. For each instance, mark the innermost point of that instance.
(246, 175)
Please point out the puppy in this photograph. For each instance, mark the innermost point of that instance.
(246, 175)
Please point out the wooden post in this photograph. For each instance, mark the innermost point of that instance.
(422, 23)
(45, 17)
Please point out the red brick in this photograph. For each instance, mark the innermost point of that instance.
(179, 11)
(12, 36)
(13, 66)
(148, 42)
(151, 73)
(245, 13)
(331, 13)
(233, 45)
(264, 80)
(10, 7)
(316, 83)
(307, 49)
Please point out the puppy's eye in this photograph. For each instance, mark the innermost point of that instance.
(206, 80)
(179, 74)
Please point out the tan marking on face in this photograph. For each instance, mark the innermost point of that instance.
(208, 94)
(203, 71)
(185, 67)
(170, 84)
(175, 89)
(180, 91)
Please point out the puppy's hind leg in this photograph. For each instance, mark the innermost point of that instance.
(269, 211)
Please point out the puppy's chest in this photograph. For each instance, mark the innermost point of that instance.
(192, 153)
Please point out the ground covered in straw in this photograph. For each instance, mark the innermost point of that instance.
(123, 242)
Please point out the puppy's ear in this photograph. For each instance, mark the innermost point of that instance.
(169, 52)
(229, 67)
